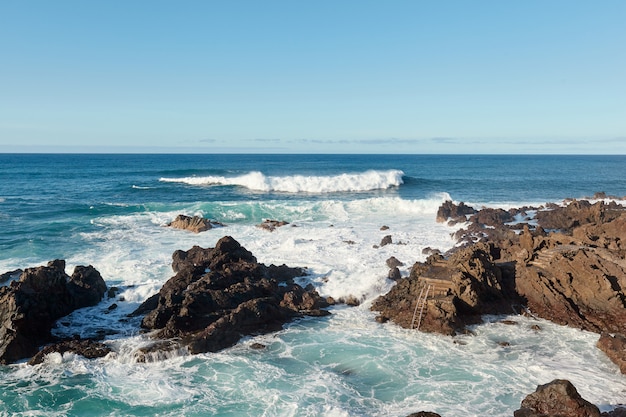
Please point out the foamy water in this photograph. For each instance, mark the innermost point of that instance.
(257, 181)
(346, 364)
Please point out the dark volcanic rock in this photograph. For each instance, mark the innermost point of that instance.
(558, 398)
(194, 224)
(90, 349)
(29, 307)
(424, 414)
(7, 276)
(220, 294)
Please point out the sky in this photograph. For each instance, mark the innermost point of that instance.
(393, 76)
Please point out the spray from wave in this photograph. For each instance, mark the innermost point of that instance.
(257, 181)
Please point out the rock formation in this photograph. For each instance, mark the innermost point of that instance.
(30, 306)
(557, 398)
(271, 225)
(220, 294)
(194, 224)
(574, 275)
(90, 349)
(614, 346)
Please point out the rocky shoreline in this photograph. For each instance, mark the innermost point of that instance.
(565, 264)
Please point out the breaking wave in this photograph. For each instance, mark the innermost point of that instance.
(257, 181)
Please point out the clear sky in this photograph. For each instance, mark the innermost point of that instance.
(317, 76)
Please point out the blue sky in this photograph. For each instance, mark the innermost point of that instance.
(313, 76)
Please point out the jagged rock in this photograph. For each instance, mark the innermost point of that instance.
(194, 224)
(88, 348)
(29, 307)
(557, 398)
(393, 262)
(615, 348)
(10, 275)
(424, 414)
(454, 213)
(386, 241)
(219, 294)
(394, 274)
(272, 225)
(491, 217)
(575, 286)
(462, 288)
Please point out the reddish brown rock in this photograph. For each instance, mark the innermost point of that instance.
(452, 213)
(194, 224)
(614, 346)
(457, 292)
(271, 225)
(558, 398)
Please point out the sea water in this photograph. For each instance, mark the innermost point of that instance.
(110, 211)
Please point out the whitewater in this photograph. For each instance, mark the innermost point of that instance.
(111, 211)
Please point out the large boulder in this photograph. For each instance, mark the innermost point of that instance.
(558, 398)
(30, 306)
(220, 294)
(444, 295)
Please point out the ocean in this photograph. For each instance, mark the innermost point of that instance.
(110, 210)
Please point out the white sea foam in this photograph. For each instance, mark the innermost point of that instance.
(345, 364)
(257, 181)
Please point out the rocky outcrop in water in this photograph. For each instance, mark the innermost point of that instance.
(194, 224)
(614, 346)
(30, 306)
(87, 348)
(574, 275)
(557, 398)
(220, 294)
(445, 295)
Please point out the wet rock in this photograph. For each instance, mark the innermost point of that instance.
(394, 274)
(271, 225)
(460, 290)
(614, 346)
(424, 414)
(30, 306)
(220, 294)
(386, 241)
(393, 262)
(452, 213)
(90, 349)
(194, 224)
(557, 398)
(10, 275)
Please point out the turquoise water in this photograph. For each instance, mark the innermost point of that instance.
(109, 211)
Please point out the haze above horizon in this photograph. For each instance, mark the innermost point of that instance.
(447, 77)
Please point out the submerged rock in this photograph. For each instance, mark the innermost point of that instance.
(220, 294)
(271, 225)
(30, 306)
(88, 348)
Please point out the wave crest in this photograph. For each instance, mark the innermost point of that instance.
(257, 181)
